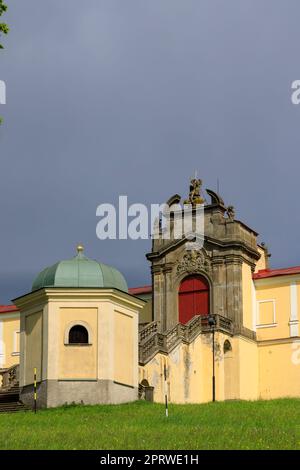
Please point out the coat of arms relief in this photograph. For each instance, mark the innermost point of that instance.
(192, 262)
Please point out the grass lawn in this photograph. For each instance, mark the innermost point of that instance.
(141, 425)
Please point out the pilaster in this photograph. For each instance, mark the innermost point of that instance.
(294, 322)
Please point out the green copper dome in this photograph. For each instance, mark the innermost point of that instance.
(80, 271)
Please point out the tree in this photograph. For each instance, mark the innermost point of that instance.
(3, 28)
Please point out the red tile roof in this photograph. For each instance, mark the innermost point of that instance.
(140, 290)
(264, 273)
(8, 308)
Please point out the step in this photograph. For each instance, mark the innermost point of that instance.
(9, 397)
(7, 389)
(13, 407)
(18, 402)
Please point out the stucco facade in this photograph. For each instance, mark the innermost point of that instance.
(95, 372)
(257, 343)
(9, 336)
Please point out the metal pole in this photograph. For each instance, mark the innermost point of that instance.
(213, 359)
(166, 391)
(34, 388)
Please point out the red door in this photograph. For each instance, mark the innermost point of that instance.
(193, 298)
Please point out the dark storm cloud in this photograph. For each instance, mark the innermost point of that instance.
(129, 97)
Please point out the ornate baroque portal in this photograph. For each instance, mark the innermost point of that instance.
(215, 264)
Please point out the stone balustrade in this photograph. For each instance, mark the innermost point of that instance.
(10, 376)
(152, 341)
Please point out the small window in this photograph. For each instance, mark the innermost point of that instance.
(78, 334)
(227, 346)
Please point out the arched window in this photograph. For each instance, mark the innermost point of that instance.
(145, 383)
(78, 334)
(193, 298)
(227, 346)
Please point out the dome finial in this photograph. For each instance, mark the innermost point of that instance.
(80, 249)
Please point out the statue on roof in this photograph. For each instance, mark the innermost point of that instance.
(195, 192)
(230, 212)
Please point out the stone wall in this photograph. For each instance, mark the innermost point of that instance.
(52, 393)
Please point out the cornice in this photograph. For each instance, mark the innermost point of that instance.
(270, 342)
(12, 315)
(56, 294)
(223, 245)
(277, 280)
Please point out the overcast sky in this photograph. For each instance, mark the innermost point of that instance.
(109, 97)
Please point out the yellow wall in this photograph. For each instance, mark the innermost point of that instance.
(9, 338)
(298, 298)
(267, 295)
(248, 369)
(230, 372)
(189, 372)
(33, 341)
(123, 348)
(279, 369)
(112, 321)
(78, 361)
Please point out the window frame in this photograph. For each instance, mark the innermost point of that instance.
(16, 352)
(266, 325)
(78, 323)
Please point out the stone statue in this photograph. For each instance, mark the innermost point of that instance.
(195, 192)
(267, 254)
(230, 212)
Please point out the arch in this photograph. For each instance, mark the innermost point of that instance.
(194, 297)
(145, 383)
(78, 332)
(146, 391)
(227, 346)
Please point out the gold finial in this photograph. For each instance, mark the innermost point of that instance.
(80, 248)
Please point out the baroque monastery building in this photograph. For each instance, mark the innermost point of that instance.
(216, 323)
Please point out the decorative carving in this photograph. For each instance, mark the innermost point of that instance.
(193, 261)
(195, 193)
(267, 254)
(215, 198)
(173, 200)
(12, 377)
(230, 212)
(266, 248)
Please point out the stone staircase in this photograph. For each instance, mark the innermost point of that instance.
(10, 391)
(9, 400)
(152, 341)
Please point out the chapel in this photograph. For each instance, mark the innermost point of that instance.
(216, 323)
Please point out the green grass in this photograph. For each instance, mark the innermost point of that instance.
(140, 425)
